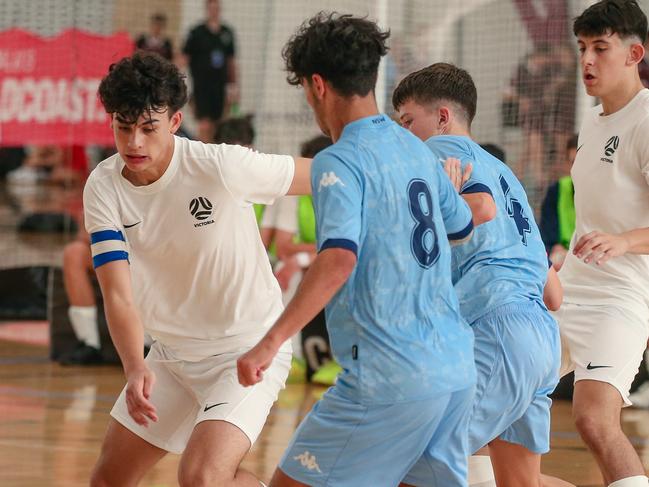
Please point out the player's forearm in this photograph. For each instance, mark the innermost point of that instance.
(327, 274)
(126, 332)
(638, 240)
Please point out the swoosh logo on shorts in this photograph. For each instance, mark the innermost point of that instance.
(132, 225)
(591, 367)
(207, 408)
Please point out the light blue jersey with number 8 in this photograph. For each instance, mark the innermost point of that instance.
(395, 326)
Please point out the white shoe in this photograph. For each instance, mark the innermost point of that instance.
(640, 398)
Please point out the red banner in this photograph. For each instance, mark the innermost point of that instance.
(48, 87)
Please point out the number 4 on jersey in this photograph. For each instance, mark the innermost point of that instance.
(515, 212)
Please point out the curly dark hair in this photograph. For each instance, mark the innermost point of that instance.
(622, 17)
(439, 81)
(140, 84)
(343, 49)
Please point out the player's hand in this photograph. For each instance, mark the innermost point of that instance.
(138, 391)
(600, 247)
(252, 364)
(453, 168)
(285, 272)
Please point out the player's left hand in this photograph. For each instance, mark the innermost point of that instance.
(600, 247)
(252, 364)
(453, 168)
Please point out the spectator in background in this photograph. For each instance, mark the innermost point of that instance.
(155, 40)
(558, 210)
(210, 53)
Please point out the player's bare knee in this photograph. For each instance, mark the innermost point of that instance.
(99, 478)
(199, 476)
(594, 429)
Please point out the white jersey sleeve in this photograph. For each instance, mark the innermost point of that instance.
(102, 222)
(253, 177)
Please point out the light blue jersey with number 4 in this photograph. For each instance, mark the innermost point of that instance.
(395, 326)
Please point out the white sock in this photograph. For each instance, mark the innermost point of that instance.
(637, 481)
(262, 484)
(84, 324)
(481, 473)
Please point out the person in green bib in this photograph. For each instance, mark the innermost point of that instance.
(558, 210)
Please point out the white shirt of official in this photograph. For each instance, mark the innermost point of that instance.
(201, 277)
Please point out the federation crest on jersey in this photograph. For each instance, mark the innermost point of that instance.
(201, 209)
(609, 149)
(329, 179)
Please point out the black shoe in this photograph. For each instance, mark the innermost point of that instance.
(82, 355)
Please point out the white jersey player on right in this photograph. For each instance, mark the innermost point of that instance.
(604, 320)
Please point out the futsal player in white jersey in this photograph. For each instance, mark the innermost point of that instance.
(177, 252)
(604, 319)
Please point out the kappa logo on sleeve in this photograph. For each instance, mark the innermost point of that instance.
(329, 179)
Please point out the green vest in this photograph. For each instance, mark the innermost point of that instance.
(259, 212)
(566, 210)
(306, 220)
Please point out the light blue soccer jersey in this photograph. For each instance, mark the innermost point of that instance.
(395, 325)
(505, 260)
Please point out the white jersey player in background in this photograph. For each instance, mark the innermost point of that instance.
(177, 252)
(604, 319)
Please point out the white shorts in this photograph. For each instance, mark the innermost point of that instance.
(186, 393)
(603, 343)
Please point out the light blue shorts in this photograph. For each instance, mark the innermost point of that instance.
(343, 443)
(518, 355)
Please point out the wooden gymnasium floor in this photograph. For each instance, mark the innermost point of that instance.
(52, 421)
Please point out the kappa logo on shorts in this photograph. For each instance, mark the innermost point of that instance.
(201, 209)
(609, 149)
(307, 460)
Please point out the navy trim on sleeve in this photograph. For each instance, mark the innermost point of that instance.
(340, 243)
(462, 233)
(106, 257)
(477, 188)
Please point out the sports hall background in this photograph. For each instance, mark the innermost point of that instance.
(521, 54)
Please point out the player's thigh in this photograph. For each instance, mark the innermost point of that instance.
(215, 385)
(344, 443)
(444, 461)
(607, 344)
(213, 453)
(125, 458)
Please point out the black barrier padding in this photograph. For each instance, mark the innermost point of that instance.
(48, 223)
(62, 336)
(23, 293)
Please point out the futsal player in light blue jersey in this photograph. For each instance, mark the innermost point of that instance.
(499, 277)
(385, 213)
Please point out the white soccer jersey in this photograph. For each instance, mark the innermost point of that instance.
(282, 215)
(611, 178)
(201, 277)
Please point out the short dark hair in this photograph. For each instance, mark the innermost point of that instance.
(572, 142)
(495, 150)
(235, 131)
(312, 146)
(439, 81)
(622, 17)
(343, 49)
(159, 17)
(142, 83)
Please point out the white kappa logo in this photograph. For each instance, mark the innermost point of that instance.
(307, 460)
(329, 179)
